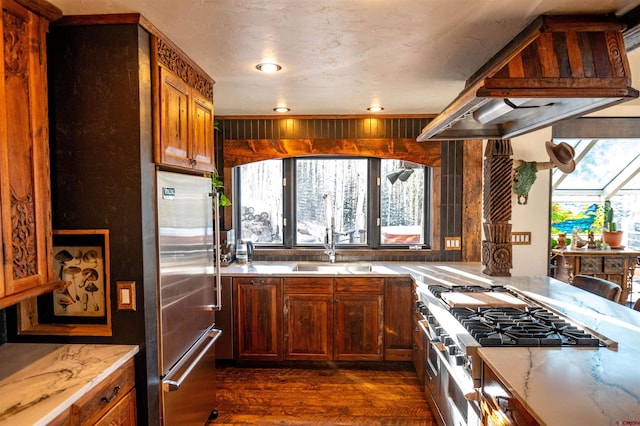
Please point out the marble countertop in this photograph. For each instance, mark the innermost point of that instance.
(567, 386)
(39, 381)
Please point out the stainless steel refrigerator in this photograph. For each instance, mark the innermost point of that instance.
(189, 289)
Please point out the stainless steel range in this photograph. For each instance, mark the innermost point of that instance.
(457, 320)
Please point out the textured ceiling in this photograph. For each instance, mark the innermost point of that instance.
(340, 56)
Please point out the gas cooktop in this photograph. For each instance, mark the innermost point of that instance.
(528, 324)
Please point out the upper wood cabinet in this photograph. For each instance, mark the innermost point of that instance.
(183, 129)
(25, 199)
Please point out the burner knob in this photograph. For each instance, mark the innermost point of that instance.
(439, 331)
(431, 319)
(460, 359)
(448, 341)
(452, 349)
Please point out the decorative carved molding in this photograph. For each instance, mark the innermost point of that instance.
(15, 46)
(498, 182)
(171, 59)
(24, 239)
(616, 53)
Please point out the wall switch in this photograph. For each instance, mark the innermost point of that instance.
(126, 295)
(452, 243)
(521, 238)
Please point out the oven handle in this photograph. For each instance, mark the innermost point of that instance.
(174, 385)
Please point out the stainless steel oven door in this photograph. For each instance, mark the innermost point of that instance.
(189, 392)
(445, 389)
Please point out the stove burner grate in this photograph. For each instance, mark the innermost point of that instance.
(528, 326)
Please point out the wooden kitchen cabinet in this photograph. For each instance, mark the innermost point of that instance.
(184, 126)
(308, 318)
(398, 319)
(358, 319)
(110, 402)
(258, 318)
(25, 204)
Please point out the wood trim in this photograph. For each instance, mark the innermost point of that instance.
(472, 201)
(238, 152)
(42, 8)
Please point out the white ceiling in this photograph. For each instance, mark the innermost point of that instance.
(340, 56)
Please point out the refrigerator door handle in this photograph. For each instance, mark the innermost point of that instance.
(217, 251)
(174, 385)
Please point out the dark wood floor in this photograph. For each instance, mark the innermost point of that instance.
(321, 395)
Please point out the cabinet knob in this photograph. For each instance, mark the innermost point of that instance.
(257, 282)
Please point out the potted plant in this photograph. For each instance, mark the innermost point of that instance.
(610, 234)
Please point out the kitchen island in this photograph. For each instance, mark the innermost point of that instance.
(557, 386)
(41, 383)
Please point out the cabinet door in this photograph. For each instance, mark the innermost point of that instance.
(358, 327)
(24, 148)
(258, 303)
(202, 139)
(308, 320)
(175, 108)
(398, 313)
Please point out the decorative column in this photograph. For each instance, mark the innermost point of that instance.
(498, 182)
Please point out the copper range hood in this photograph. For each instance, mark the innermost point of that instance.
(559, 67)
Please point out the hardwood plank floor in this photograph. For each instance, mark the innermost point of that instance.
(325, 394)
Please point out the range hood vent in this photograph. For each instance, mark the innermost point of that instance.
(559, 67)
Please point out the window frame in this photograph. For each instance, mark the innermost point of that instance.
(374, 209)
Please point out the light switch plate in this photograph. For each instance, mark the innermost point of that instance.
(521, 238)
(452, 243)
(126, 295)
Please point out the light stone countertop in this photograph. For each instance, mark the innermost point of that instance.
(39, 381)
(559, 386)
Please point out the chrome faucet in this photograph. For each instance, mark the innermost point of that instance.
(330, 246)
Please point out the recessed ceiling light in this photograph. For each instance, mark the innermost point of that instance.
(282, 109)
(375, 108)
(268, 67)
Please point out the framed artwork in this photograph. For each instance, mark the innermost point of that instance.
(82, 306)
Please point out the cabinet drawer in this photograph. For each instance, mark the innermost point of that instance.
(91, 407)
(368, 285)
(590, 265)
(614, 265)
(123, 413)
(257, 281)
(308, 285)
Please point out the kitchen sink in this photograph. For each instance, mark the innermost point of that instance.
(337, 268)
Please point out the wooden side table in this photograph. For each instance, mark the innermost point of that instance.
(617, 266)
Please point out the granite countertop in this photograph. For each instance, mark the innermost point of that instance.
(567, 386)
(39, 381)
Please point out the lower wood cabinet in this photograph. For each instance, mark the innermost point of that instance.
(308, 318)
(111, 402)
(258, 318)
(323, 318)
(398, 319)
(359, 319)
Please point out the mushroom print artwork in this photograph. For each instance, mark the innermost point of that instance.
(83, 270)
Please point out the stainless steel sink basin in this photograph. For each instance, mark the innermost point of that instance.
(337, 268)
